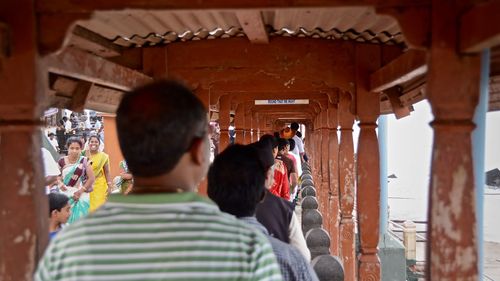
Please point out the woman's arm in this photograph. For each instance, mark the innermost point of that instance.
(107, 175)
(90, 178)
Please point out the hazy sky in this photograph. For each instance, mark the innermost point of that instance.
(410, 146)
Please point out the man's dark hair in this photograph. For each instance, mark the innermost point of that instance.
(65, 118)
(236, 180)
(294, 126)
(282, 143)
(57, 201)
(157, 123)
(265, 151)
(291, 142)
(269, 139)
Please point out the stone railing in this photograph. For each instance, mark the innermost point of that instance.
(326, 266)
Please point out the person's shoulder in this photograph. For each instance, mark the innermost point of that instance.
(291, 260)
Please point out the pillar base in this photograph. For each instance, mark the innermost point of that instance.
(392, 258)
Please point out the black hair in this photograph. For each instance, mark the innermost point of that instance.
(294, 126)
(156, 124)
(291, 142)
(282, 143)
(65, 118)
(298, 134)
(51, 134)
(265, 151)
(236, 180)
(74, 140)
(271, 140)
(57, 201)
(95, 136)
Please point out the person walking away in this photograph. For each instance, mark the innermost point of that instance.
(236, 182)
(280, 186)
(162, 230)
(290, 167)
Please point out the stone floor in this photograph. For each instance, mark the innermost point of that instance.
(491, 261)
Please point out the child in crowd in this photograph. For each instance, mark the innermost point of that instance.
(59, 212)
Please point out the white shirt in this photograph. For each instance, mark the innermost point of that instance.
(50, 166)
(97, 124)
(299, 145)
(54, 143)
(297, 237)
(67, 126)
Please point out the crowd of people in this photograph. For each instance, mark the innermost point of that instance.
(163, 229)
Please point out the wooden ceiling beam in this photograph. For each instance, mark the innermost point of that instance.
(84, 66)
(57, 6)
(479, 28)
(406, 67)
(78, 94)
(253, 25)
(90, 41)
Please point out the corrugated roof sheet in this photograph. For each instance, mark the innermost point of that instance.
(131, 28)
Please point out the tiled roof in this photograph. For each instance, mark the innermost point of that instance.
(130, 28)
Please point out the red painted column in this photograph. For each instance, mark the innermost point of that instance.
(23, 204)
(368, 165)
(224, 108)
(333, 195)
(239, 124)
(248, 124)
(324, 189)
(453, 91)
(346, 177)
(317, 153)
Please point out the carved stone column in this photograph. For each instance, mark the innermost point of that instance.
(333, 166)
(368, 165)
(346, 186)
(224, 108)
(248, 125)
(324, 188)
(239, 124)
(23, 216)
(453, 92)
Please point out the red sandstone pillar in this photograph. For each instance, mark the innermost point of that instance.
(324, 188)
(368, 165)
(333, 195)
(317, 153)
(346, 177)
(23, 204)
(453, 91)
(248, 124)
(224, 108)
(239, 124)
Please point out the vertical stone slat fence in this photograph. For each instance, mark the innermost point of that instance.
(326, 266)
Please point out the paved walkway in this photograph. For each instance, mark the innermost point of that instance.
(491, 261)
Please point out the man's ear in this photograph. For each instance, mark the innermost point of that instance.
(54, 212)
(197, 151)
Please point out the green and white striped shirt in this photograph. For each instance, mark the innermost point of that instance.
(180, 236)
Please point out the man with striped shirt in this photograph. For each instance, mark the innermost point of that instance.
(162, 230)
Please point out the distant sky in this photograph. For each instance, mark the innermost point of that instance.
(410, 146)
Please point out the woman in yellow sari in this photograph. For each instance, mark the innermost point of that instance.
(100, 166)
